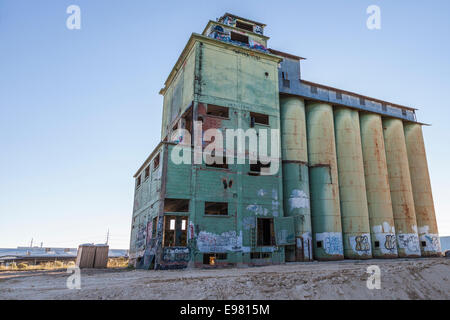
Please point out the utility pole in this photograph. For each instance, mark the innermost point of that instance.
(107, 237)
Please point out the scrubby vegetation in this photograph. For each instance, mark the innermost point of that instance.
(54, 265)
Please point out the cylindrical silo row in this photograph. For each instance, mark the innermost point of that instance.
(421, 188)
(381, 217)
(401, 189)
(295, 176)
(323, 182)
(352, 187)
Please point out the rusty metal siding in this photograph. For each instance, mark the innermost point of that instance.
(421, 187)
(352, 186)
(324, 186)
(381, 217)
(401, 189)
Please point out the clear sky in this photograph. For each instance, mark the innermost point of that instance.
(80, 110)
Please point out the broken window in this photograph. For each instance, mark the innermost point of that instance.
(214, 163)
(255, 168)
(138, 182)
(260, 255)
(210, 258)
(245, 26)
(258, 118)
(154, 226)
(147, 172)
(175, 231)
(156, 162)
(176, 205)
(239, 37)
(216, 208)
(404, 112)
(217, 111)
(266, 234)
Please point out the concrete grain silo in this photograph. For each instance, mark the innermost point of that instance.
(324, 186)
(352, 188)
(421, 187)
(401, 189)
(381, 217)
(296, 176)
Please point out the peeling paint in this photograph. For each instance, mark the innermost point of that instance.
(298, 199)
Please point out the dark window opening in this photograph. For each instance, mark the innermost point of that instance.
(217, 111)
(424, 243)
(339, 95)
(404, 112)
(255, 168)
(265, 232)
(210, 258)
(176, 205)
(260, 255)
(319, 244)
(245, 26)
(215, 164)
(286, 83)
(259, 118)
(147, 172)
(377, 244)
(156, 162)
(239, 37)
(138, 182)
(362, 101)
(216, 208)
(384, 107)
(313, 89)
(154, 227)
(175, 231)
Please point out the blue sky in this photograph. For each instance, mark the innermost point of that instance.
(80, 109)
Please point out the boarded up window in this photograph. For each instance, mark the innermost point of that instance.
(217, 111)
(244, 26)
(174, 235)
(176, 205)
(239, 37)
(258, 118)
(265, 232)
(216, 208)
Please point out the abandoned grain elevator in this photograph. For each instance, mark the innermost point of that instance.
(352, 180)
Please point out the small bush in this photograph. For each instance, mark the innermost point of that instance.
(22, 265)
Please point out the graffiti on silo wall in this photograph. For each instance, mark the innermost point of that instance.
(332, 242)
(409, 242)
(361, 244)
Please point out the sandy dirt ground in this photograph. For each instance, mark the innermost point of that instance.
(400, 279)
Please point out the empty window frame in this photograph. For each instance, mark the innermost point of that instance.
(138, 181)
(339, 95)
(404, 112)
(175, 231)
(362, 101)
(258, 118)
(239, 37)
(217, 111)
(313, 89)
(176, 205)
(210, 258)
(216, 208)
(383, 107)
(265, 232)
(147, 172)
(154, 227)
(245, 26)
(210, 162)
(156, 162)
(255, 168)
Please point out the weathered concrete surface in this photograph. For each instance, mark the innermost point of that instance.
(352, 186)
(400, 279)
(401, 189)
(421, 187)
(381, 217)
(324, 185)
